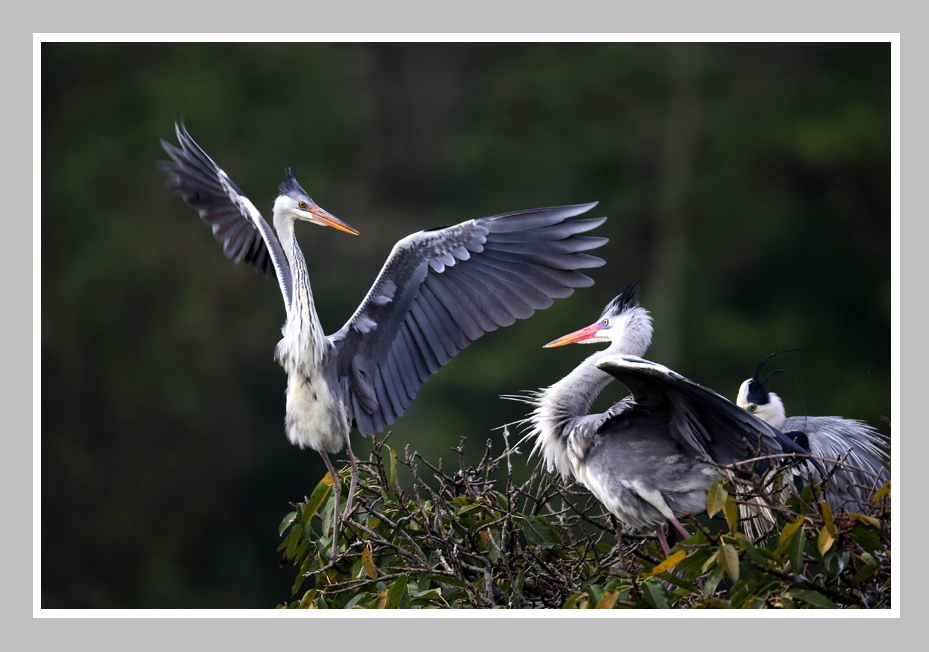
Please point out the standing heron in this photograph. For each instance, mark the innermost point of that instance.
(642, 458)
(439, 290)
(853, 447)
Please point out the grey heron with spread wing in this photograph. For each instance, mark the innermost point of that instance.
(643, 457)
(439, 290)
(853, 447)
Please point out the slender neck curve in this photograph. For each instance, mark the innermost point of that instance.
(560, 407)
(303, 332)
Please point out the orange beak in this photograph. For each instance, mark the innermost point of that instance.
(328, 219)
(576, 336)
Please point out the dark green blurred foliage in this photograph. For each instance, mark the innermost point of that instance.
(749, 183)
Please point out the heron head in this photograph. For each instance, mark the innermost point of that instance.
(757, 399)
(623, 323)
(294, 202)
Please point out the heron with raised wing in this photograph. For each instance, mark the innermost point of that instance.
(439, 290)
(648, 458)
(852, 447)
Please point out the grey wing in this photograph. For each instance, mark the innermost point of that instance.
(855, 442)
(235, 221)
(703, 422)
(442, 288)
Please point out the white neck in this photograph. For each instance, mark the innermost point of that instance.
(559, 406)
(772, 412)
(304, 342)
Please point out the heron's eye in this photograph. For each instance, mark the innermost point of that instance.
(302, 204)
(605, 323)
(753, 407)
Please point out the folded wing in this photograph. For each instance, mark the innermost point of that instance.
(706, 424)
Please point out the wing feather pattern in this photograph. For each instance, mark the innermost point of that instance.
(234, 220)
(443, 288)
(706, 424)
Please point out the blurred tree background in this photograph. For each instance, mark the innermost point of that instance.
(749, 183)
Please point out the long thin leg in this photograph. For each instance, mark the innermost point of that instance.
(337, 488)
(354, 483)
(680, 528)
(663, 541)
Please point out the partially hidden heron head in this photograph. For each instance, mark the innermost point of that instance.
(757, 399)
(294, 202)
(623, 323)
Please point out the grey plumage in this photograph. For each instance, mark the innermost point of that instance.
(439, 290)
(854, 448)
(643, 457)
(850, 450)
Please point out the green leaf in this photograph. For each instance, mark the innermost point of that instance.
(731, 510)
(740, 591)
(812, 598)
(309, 564)
(715, 498)
(777, 484)
(655, 594)
(301, 549)
(711, 561)
(684, 587)
(729, 560)
(317, 497)
(395, 592)
(353, 603)
(692, 564)
(390, 498)
(467, 510)
(868, 568)
(571, 601)
(759, 555)
(393, 467)
(865, 536)
(307, 601)
(293, 540)
(287, 521)
(449, 581)
(456, 598)
(297, 583)
(797, 541)
(426, 598)
(595, 592)
(715, 577)
(539, 532)
(806, 495)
